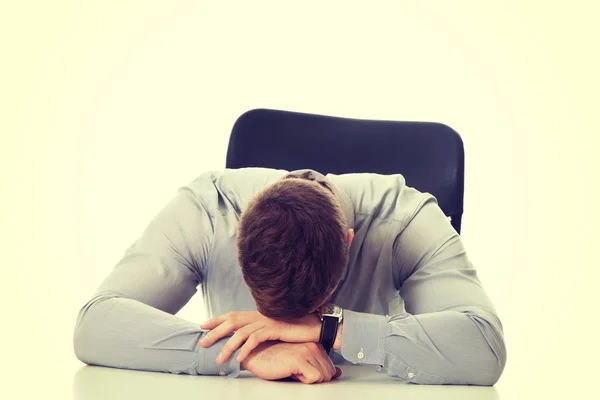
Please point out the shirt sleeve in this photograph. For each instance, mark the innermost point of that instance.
(450, 332)
(130, 323)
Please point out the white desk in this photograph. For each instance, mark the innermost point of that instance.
(94, 383)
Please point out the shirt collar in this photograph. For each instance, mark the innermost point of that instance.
(345, 202)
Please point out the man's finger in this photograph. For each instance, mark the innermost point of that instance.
(325, 367)
(327, 359)
(216, 321)
(308, 373)
(219, 332)
(257, 337)
(338, 373)
(301, 378)
(323, 373)
(213, 323)
(236, 341)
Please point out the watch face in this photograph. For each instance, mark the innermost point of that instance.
(331, 310)
(328, 309)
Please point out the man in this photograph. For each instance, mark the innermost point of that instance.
(305, 271)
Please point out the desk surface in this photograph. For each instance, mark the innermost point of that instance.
(94, 383)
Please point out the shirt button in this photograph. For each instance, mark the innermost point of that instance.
(360, 355)
(411, 375)
(221, 373)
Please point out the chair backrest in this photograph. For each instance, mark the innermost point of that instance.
(429, 155)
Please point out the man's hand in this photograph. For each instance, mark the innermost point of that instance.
(305, 362)
(252, 328)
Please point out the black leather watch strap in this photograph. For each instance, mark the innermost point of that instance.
(329, 329)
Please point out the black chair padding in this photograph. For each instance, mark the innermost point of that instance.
(429, 155)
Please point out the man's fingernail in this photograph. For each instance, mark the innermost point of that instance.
(219, 358)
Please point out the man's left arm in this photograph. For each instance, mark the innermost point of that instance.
(450, 332)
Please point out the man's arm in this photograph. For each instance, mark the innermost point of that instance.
(450, 333)
(129, 322)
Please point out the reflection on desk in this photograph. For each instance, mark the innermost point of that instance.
(92, 383)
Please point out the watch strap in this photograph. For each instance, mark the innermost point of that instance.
(329, 329)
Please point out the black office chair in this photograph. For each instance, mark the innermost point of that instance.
(429, 155)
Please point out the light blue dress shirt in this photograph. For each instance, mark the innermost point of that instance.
(414, 307)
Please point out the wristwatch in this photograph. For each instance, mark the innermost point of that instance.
(331, 316)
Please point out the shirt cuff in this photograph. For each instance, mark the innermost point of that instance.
(363, 338)
(208, 366)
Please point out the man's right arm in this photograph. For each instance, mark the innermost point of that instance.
(130, 323)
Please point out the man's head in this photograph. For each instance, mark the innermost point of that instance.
(293, 247)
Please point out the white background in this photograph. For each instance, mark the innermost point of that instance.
(108, 107)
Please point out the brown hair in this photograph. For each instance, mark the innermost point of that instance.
(292, 247)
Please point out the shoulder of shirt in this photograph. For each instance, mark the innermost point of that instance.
(235, 186)
(386, 197)
(255, 176)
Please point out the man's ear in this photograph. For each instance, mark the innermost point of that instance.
(350, 236)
